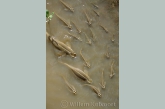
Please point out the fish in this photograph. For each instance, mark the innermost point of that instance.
(67, 24)
(86, 63)
(107, 54)
(106, 30)
(89, 21)
(61, 46)
(103, 83)
(70, 86)
(114, 3)
(75, 37)
(95, 89)
(67, 6)
(47, 34)
(96, 13)
(93, 35)
(79, 73)
(96, 6)
(113, 38)
(112, 70)
(78, 29)
(64, 47)
(88, 40)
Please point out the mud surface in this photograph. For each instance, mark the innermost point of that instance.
(58, 95)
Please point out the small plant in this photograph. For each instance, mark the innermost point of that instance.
(49, 16)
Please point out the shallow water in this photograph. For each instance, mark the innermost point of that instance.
(57, 94)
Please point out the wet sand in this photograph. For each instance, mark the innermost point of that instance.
(57, 94)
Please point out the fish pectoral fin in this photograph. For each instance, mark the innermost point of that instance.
(61, 53)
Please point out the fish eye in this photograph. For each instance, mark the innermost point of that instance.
(74, 54)
(89, 81)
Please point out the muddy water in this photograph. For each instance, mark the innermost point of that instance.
(57, 94)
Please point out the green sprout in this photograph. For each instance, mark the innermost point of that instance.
(48, 15)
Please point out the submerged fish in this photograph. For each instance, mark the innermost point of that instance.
(93, 35)
(79, 73)
(112, 70)
(75, 37)
(86, 63)
(113, 38)
(96, 13)
(106, 30)
(67, 6)
(103, 83)
(67, 24)
(95, 89)
(95, 5)
(88, 40)
(89, 21)
(70, 86)
(78, 29)
(107, 54)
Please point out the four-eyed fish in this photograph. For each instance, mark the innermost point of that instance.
(88, 39)
(70, 86)
(67, 24)
(107, 54)
(86, 62)
(89, 20)
(78, 29)
(112, 70)
(79, 73)
(113, 38)
(96, 13)
(95, 5)
(95, 89)
(61, 46)
(106, 30)
(93, 35)
(67, 6)
(75, 37)
(103, 83)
